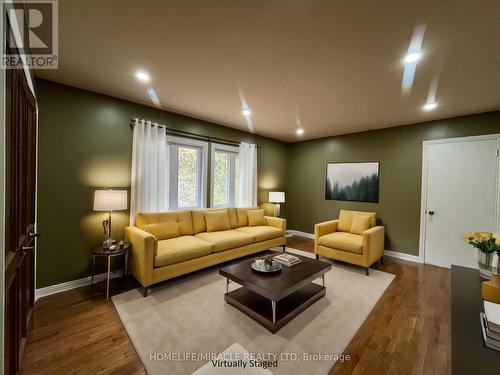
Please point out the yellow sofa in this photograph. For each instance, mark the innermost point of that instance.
(353, 238)
(191, 247)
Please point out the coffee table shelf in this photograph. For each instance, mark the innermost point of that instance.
(260, 309)
(274, 300)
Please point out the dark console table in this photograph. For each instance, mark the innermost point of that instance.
(468, 353)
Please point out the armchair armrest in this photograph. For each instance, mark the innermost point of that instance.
(141, 256)
(373, 244)
(276, 222)
(323, 228)
(326, 227)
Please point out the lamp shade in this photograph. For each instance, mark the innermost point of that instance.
(110, 200)
(276, 197)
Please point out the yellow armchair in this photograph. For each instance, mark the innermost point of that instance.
(353, 238)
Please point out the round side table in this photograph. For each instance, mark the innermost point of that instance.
(99, 251)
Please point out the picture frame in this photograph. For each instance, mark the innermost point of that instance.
(352, 181)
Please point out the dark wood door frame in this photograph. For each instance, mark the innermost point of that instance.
(20, 213)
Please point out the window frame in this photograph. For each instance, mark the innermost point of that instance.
(174, 143)
(233, 152)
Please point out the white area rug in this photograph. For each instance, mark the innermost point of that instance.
(184, 325)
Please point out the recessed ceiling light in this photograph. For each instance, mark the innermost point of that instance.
(142, 76)
(429, 106)
(412, 57)
(299, 131)
(246, 112)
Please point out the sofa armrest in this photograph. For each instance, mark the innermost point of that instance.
(373, 244)
(141, 256)
(323, 228)
(276, 222)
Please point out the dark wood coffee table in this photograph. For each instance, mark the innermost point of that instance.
(273, 300)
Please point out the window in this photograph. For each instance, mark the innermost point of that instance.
(188, 171)
(224, 165)
(188, 178)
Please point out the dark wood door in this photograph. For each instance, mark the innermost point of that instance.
(20, 194)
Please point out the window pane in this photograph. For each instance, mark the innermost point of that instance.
(221, 179)
(187, 177)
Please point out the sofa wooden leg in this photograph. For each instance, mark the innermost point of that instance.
(144, 291)
(367, 271)
(284, 247)
(382, 259)
(317, 256)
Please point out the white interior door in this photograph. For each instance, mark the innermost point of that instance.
(461, 181)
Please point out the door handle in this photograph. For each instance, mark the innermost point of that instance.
(33, 235)
(431, 213)
(27, 248)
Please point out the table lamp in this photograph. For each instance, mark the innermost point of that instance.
(109, 200)
(276, 197)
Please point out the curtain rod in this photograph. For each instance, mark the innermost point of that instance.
(193, 135)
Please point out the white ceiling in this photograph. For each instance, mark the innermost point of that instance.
(335, 64)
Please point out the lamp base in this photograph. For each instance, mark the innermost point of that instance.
(106, 224)
(491, 289)
(277, 210)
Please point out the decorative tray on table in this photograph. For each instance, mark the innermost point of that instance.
(266, 265)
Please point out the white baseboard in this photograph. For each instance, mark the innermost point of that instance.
(299, 233)
(404, 256)
(68, 285)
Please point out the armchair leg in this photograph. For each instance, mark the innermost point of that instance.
(367, 271)
(144, 291)
(317, 256)
(382, 260)
(284, 247)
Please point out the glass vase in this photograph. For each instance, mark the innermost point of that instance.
(488, 264)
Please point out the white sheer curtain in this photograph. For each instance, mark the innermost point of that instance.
(149, 188)
(247, 176)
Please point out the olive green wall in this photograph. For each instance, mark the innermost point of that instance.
(399, 151)
(85, 143)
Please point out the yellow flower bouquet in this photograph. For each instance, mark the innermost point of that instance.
(486, 242)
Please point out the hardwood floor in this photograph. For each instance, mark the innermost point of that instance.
(79, 332)
(408, 331)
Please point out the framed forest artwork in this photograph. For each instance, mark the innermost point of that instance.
(348, 181)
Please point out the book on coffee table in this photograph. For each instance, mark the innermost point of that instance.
(489, 341)
(492, 314)
(287, 259)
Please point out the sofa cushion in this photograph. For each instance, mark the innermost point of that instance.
(226, 239)
(255, 218)
(180, 249)
(262, 232)
(360, 223)
(345, 222)
(217, 221)
(241, 213)
(343, 241)
(163, 231)
(182, 217)
(199, 224)
(233, 218)
(345, 219)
